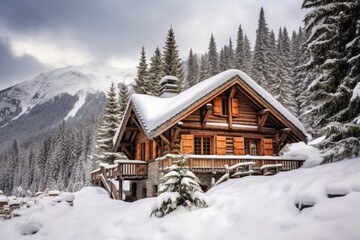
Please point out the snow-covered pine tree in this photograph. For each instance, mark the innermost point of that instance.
(222, 59)
(156, 72)
(124, 97)
(193, 69)
(172, 62)
(283, 85)
(240, 50)
(107, 129)
(247, 63)
(179, 187)
(204, 69)
(273, 59)
(261, 57)
(334, 46)
(213, 57)
(142, 78)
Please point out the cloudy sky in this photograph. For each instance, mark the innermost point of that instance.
(40, 35)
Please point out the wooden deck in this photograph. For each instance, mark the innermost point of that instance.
(216, 163)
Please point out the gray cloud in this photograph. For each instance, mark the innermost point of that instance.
(15, 69)
(118, 28)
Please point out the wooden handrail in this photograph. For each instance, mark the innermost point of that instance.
(212, 164)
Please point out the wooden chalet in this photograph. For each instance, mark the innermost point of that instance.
(227, 120)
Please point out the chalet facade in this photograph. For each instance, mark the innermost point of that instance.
(225, 120)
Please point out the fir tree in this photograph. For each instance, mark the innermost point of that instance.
(334, 47)
(155, 72)
(240, 50)
(261, 58)
(193, 73)
(107, 129)
(213, 57)
(172, 62)
(222, 59)
(141, 81)
(179, 187)
(204, 70)
(123, 99)
(282, 86)
(247, 63)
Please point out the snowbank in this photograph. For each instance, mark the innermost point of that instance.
(254, 207)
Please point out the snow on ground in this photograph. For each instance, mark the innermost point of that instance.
(254, 208)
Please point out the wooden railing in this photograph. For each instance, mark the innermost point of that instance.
(213, 163)
(123, 169)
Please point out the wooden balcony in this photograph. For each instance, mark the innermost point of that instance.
(122, 169)
(216, 163)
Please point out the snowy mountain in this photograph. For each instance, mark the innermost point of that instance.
(72, 93)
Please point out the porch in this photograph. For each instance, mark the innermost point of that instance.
(222, 163)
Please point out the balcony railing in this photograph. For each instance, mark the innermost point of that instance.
(216, 163)
(124, 169)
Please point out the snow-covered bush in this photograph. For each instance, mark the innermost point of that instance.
(178, 187)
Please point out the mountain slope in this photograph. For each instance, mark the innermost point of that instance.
(72, 93)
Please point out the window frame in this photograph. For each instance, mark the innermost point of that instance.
(202, 148)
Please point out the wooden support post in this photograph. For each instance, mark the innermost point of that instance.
(206, 114)
(162, 136)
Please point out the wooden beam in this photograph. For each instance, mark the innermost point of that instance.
(205, 116)
(232, 92)
(262, 112)
(132, 128)
(133, 137)
(263, 115)
(283, 134)
(127, 152)
(176, 134)
(230, 111)
(126, 143)
(165, 139)
(135, 121)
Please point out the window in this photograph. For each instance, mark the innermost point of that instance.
(202, 145)
(251, 147)
(221, 106)
(225, 106)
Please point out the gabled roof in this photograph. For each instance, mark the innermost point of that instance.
(153, 112)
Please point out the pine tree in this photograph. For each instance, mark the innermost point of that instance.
(334, 47)
(123, 99)
(222, 59)
(193, 73)
(273, 62)
(142, 79)
(155, 72)
(240, 50)
(247, 63)
(213, 57)
(107, 129)
(282, 86)
(172, 62)
(261, 58)
(204, 70)
(179, 187)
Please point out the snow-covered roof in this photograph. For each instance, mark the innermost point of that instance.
(154, 111)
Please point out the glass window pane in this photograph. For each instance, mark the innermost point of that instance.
(197, 145)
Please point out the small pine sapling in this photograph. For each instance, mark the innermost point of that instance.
(178, 187)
